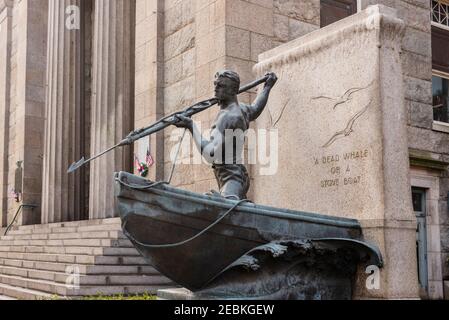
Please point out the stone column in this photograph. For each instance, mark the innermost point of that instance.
(60, 200)
(112, 99)
(5, 55)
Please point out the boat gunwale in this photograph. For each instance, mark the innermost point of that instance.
(166, 190)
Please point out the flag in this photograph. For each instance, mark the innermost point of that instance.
(149, 159)
(137, 164)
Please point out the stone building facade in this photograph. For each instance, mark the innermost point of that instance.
(70, 89)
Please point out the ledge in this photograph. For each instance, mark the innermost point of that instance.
(440, 126)
(426, 159)
(376, 18)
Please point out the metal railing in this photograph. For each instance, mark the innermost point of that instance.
(30, 206)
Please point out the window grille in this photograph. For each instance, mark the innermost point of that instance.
(440, 12)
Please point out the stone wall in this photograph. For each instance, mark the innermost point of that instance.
(188, 42)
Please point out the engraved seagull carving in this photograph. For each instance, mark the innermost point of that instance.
(273, 125)
(347, 96)
(349, 127)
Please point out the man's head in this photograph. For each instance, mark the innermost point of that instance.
(227, 84)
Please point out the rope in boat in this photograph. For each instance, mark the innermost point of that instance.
(162, 246)
(155, 184)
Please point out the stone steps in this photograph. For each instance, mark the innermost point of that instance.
(69, 243)
(45, 287)
(83, 268)
(22, 293)
(39, 262)
(88, 280)
(74, 224)
(74, 259)
(73, 250)
(87, 228)
(72, 235)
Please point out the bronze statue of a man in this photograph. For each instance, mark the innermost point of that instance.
(224, 149)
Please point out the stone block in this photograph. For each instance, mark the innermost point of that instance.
(419, 3)
(218, 14)
(178, 16)
(238, 43)
(307, 11)
(120, 252)
(423, 139)
(202, 21)
(188, 63)
(415, 17)
(418, 42)
(41, 275)
(281, 27)
(243, 68)
(85, 259)
(259, 44)
(299, 28)
(443, 213)
(356, 141)
(421, 115)
(444, 231)
(179, 95)
(418, 90)
(143, 82)
(201, 4)
(417, 66)
(173, 70)
(204, 79)
(247, 16)
(211, 47)
(142, 105)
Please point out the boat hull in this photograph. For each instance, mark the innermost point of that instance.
(163, 215)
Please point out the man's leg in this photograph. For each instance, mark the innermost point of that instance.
(233, 189)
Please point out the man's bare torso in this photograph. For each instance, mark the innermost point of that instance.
(231, 123)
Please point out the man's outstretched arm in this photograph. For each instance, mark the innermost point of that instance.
(208, 149)
(262, 99)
